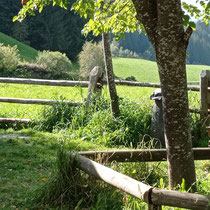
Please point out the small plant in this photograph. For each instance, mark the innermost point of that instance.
(56, 64)
(9, 59)
(90, 56)
(70, 188)
(131, 78)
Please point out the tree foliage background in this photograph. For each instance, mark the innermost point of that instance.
(54, 29)
(57, 29)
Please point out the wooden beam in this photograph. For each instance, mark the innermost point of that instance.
(80, 83)
(179, 199)
(44, 82)
(144, 155)
(150, 195)
(37, 101)
(14, 120)
(116, 179)
(146, 84)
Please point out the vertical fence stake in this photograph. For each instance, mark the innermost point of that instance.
(96, 76)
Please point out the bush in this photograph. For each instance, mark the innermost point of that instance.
(56, 64)
(131, 78)
(90, 56)
(9, 59)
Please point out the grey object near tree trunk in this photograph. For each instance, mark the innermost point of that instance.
(157, 126)
(110, 75)
(95, 84)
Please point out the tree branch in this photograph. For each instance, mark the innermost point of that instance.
(188, 34)
(147, 15)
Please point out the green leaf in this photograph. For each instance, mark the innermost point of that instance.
(192, 25)
(15, 18)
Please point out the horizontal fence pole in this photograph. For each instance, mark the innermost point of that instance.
(180, 199)
(44, 82)
(14, 120)
(143, 155)
(147, 84)
(140, 190)
(80, 83)
(37, 101)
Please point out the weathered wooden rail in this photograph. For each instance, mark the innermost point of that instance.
(67, 84)
(44, 82)
(37, 101)
(154, 197)
(14, 120)
(80, 83)
(140, 155)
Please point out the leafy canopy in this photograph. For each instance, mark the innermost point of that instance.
(116, 16)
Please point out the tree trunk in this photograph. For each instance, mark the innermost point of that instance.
(110, 75)
(172, 73)
(164, 26)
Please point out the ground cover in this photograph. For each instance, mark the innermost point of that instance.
(27, 166)
(136, 94)
(26, 52)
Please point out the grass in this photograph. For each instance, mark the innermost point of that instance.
(137, 94)
(147, 71)
(28, 164)
(26, 52)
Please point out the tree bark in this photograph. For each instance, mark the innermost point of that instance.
(110, 75)
(164, 26)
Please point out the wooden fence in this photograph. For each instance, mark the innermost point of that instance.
(154, 197)
(67, 84)
(74, 84)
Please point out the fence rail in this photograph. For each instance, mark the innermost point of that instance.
(14, 120)
(44, 82)
(141, 155)
(38, 101)
(80, 83)
(140, 190)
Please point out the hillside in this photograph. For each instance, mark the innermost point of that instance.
(26, 52)
(146, 71)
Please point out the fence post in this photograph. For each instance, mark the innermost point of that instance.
(204, 98)
(154, 207)
(96, 76)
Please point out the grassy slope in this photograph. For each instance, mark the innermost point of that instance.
(26, 52)
(146, 71)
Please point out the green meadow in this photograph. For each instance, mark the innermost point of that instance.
(26, 52)
(31, 173)
(147, 71)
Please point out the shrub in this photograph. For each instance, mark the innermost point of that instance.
(131, 78)
(9, 59)
(90, 56)
(55, 63)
